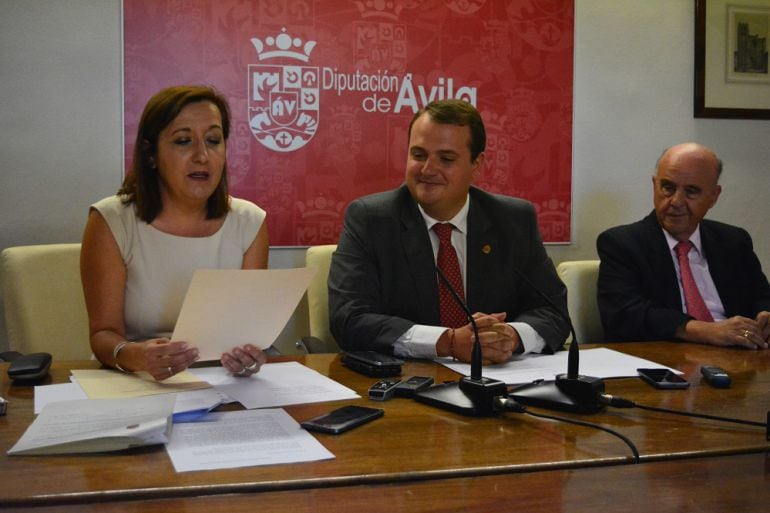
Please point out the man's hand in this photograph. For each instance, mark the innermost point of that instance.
(498, 339)
(735, 331)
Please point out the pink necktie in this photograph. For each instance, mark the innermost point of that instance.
(452, 314)
(692, 298)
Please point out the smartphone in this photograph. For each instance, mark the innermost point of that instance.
(342, 419)
(663, 378)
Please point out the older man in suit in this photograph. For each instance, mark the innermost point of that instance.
(386, 292)
(674, 275)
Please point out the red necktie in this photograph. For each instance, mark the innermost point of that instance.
(452, 314)
(692, 298)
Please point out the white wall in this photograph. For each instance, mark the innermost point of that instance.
(632, 99)
(60, 78)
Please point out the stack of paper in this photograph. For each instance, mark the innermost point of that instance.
(98, 425)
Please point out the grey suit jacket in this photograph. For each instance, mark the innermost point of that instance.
(382, 279)
(638, 293)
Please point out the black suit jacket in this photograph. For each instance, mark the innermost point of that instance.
(638, 292)
(382, 278)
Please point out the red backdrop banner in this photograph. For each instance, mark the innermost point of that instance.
(322, 93)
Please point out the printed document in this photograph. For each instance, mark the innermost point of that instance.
(225, 308)
(98, 425)
(276, 384)
(242, 439)
(45, 394)
(599, 362)
(188, 407)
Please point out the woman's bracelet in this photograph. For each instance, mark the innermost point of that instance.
(116, 351)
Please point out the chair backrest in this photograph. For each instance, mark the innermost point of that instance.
(580, 278)
(318, 295)
(45, 309)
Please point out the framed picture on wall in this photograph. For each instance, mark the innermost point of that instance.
(732, 39)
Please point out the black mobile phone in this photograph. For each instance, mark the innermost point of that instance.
(663, 378)
(342, 419)
(372, 363)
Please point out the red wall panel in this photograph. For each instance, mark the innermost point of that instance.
(322, 93)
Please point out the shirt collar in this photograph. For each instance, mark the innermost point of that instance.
(694, 238)
(459, 221)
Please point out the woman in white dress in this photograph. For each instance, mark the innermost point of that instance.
(171, 216)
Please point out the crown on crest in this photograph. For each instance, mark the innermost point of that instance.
(380, 8)
(320, 207)
(283, 45)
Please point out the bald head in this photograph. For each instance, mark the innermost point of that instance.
(708, 159)
(685, 187)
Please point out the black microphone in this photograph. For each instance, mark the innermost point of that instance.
(476, 355)
(571, 392)
(473, 395)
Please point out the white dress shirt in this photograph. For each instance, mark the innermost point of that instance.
(420, 340)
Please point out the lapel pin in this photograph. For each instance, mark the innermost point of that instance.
(486, 249)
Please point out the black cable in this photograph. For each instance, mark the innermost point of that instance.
(619, 402)
(512, 406)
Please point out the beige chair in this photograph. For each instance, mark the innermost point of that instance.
(580, 278)
(43, 299)
(321, 339)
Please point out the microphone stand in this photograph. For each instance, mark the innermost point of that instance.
(570, 392)
(473, 395)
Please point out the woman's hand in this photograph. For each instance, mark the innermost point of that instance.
(163, 358)
(244, 361)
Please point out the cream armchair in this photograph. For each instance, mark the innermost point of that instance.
(580, 278)
(43, 299)
(320, 339)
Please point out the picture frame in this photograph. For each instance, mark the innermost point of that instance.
(732, 41)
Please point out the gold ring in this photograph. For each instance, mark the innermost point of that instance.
(746, 333)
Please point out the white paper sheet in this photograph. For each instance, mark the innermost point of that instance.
(242, 439)
(45, 394)
(225, 308)
(599, 362)
(276, 384)
(185, 402)
(97, 425)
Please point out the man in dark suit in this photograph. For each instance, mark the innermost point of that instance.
(644, 287)
(384, 287)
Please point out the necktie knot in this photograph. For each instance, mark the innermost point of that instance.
(444, 231)
(683, 248)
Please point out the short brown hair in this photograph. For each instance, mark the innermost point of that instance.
(460, 113)
(142, 184)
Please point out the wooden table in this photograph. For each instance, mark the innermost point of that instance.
(723, 484)
(415, 445)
